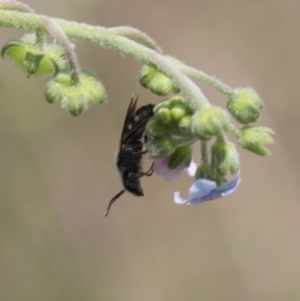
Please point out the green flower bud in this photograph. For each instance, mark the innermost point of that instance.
(164, 139)
(172, 110)
(169, 128)
(245, 105)
(177, 101)
(225, 158)
(210, 122)
(185, 124)
(157, 82)
(179, 108)
(162, 105)
(33, 57)
(254, 138)
(75, 97)
(164, 115)
(182, 155)
(156, 128)
(178, 113)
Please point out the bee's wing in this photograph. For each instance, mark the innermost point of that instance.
(137, 131)
(144, 113)
(130, 112)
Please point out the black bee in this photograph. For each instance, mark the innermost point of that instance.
(129, 159)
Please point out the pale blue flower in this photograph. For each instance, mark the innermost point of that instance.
(205, 190)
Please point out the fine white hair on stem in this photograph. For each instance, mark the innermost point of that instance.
(56, 32)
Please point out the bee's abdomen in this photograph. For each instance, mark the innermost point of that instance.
(133, 186)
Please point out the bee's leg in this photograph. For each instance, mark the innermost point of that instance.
(148, 173)
(140, 153)
(131, 153)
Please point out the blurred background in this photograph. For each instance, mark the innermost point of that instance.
(57, 172)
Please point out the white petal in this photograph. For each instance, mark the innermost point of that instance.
(178, 199)
(191, 170)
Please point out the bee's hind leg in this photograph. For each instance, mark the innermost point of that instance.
(147, 173)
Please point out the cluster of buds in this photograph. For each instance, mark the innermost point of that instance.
(176, 126)
(170, 127)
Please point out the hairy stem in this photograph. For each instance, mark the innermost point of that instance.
(136, 34)
(20, 6)
(208, 79)
(235, 131)
(15, 5)
(57, 33)
(204, 153)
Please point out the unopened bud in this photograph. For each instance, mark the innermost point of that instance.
(210, 122)
(245, 105)
(157, 82)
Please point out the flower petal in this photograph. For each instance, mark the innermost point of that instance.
(160, 167)
(230, 186)
(205, 190)
(191, 170)
(202, 187)
(178, 199)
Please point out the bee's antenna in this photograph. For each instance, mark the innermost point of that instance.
(113, 200)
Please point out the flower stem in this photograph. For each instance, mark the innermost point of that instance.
(204, 155)
(208, 79)
(57, 33)
(21, 7)
(16, 6)
(235, 131)
(136, 34)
